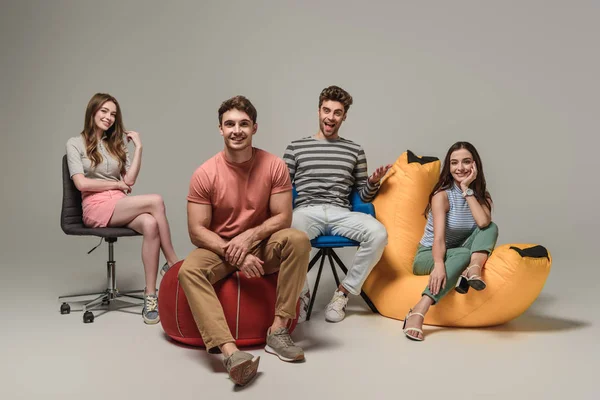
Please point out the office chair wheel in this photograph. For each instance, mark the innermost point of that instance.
(65, 308)
(88, 317)
(105, 301)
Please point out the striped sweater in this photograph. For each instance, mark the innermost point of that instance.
(459, 221)
(326, 171)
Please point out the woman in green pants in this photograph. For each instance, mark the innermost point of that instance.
(459, 235)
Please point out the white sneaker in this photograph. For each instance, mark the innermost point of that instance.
(304, 303)
(336, 309)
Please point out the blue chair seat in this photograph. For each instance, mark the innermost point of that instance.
(333, 242)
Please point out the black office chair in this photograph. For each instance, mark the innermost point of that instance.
(71, 222)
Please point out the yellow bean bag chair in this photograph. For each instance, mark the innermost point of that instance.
(515, 273)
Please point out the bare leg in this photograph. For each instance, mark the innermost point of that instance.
(477, 259)
(147, 226)
(416, 321)
(342, 289)
(128, 208)
(228, 349)
(279, 322)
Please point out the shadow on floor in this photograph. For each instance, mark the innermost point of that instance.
(537, 319)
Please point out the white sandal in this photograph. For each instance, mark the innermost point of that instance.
(475, 281)
(406, 330)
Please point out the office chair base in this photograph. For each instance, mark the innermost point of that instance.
(106, 301)
(110, 294)
(334, 261)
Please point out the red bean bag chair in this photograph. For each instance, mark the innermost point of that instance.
(248, 304)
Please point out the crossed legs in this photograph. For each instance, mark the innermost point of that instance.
(146, 214)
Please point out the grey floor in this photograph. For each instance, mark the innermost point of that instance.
(550, 352)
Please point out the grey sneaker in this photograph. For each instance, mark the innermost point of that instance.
(164, 269)
(336, 309)
(150, 310)
(241, 367)
(280, 344)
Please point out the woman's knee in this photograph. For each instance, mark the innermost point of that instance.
(156, 202)
(149, 226)
(492, 227)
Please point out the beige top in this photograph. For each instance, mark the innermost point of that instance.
(79, 163)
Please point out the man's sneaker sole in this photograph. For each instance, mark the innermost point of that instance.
(151, 321)
(270, 350)
(336, 319)
(244, 372)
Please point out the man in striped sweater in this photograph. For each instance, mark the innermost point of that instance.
(325, 168)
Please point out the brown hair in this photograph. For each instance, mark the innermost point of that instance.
(114, 143)
(446, 181)
(240, 103)
(336, 93)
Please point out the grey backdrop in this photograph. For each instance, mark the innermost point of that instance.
(516, 78)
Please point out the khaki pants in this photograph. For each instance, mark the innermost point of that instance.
(286, 251)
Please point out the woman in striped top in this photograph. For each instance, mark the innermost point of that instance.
(459, 235)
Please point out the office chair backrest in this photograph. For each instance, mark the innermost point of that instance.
(71, 216)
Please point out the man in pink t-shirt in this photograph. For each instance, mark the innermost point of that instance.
(239, 217)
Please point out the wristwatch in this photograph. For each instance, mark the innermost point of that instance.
(468, 192)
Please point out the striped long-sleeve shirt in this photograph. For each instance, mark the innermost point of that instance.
(326, 171)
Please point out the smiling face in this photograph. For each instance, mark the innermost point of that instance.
(461, 164)
(237, 130)
(331, 116)
(105, 116)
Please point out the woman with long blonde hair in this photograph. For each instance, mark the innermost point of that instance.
(100, 167)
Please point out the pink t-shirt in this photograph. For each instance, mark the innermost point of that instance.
(239, 193)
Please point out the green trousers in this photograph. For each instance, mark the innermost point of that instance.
(456, 259)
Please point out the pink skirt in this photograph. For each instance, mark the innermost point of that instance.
(99, 207)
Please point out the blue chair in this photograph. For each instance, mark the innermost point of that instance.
(326, 245)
